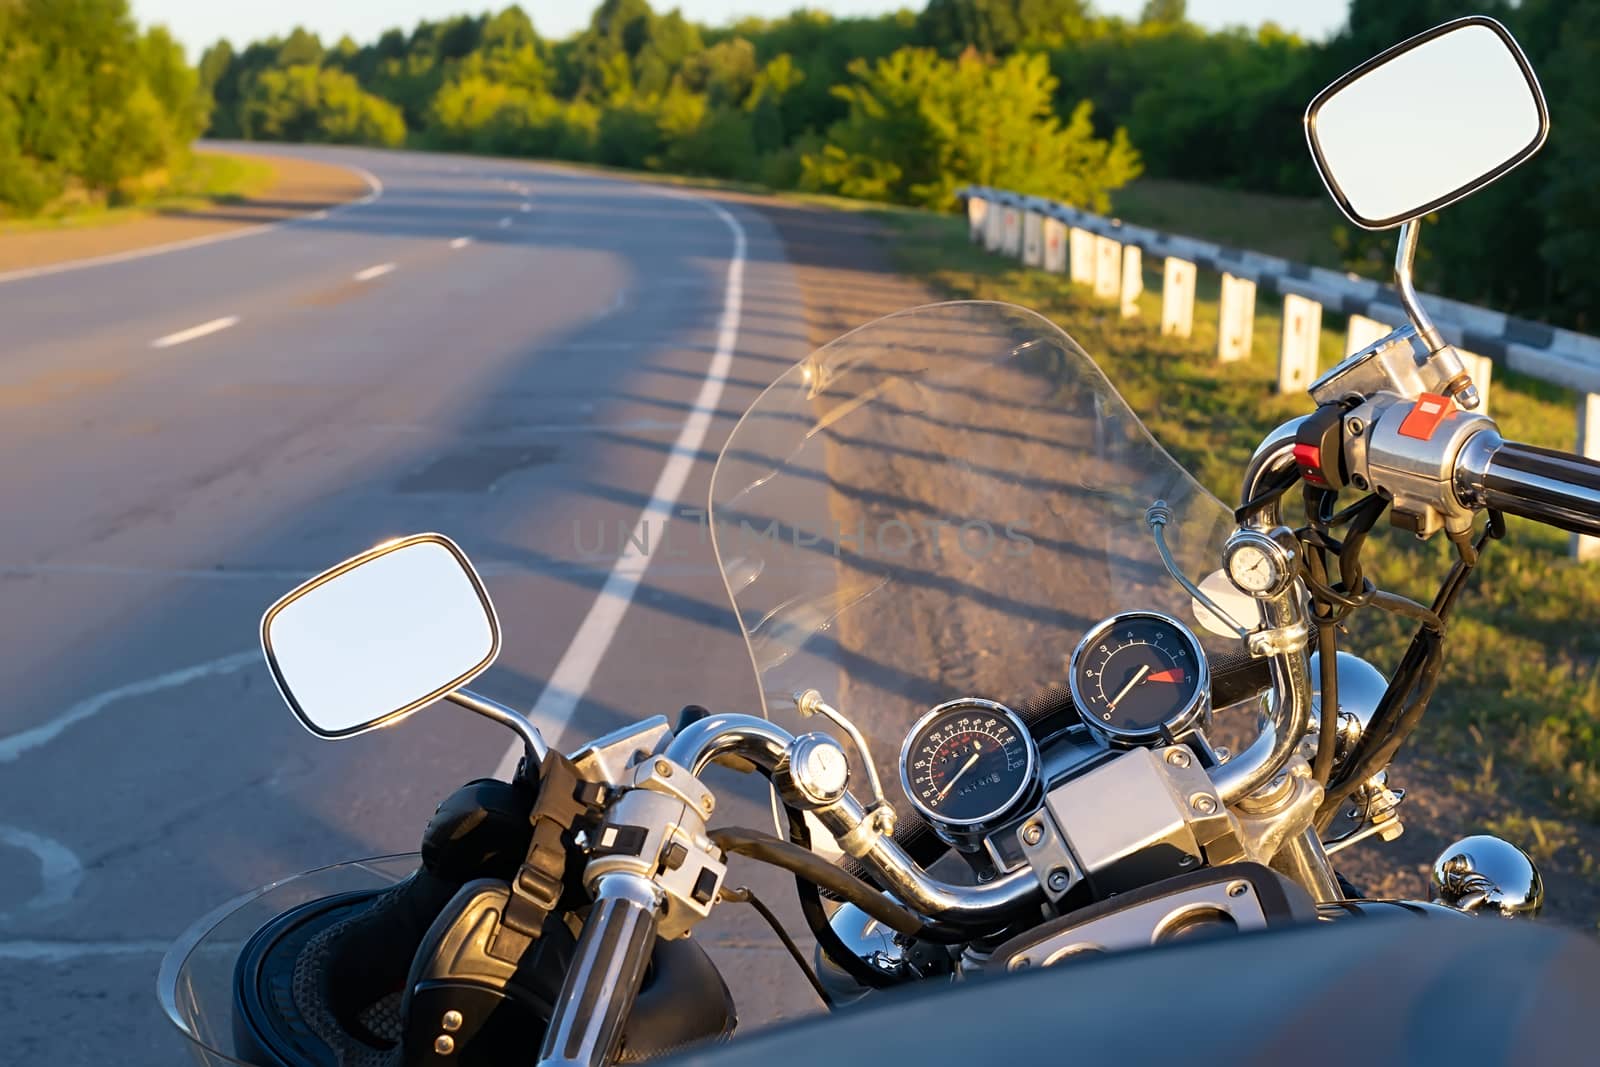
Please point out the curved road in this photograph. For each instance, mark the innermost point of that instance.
(525, 358)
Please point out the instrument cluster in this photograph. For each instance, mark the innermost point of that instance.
(971, 766)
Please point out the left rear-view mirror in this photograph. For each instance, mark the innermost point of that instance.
(380, 635)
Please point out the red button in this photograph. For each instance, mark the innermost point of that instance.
(1426, 414)
(1309, 457)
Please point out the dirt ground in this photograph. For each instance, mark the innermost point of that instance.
(845, 270)
(299, 186)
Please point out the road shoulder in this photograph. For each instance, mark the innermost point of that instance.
(299, 187)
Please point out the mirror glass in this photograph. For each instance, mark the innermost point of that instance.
(380, 635)
(1426, 123)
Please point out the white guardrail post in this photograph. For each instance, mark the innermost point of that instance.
(1055, 246)
(1011, 231)
(1177, 297)
(1132, 280)
(1361, 332)
(1033, 239)
(1107, 268)
(1081, 252)
(1301, 344)
(977, 209)
(1588, 548)
(1236, 316)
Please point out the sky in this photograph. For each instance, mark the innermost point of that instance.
(197, 23)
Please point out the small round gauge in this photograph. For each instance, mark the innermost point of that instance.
(1140, 676)
(1257, 564)
(968, 762)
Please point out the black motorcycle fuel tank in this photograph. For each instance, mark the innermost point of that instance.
(1401, 991)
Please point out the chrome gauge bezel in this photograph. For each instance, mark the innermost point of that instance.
(1277, 554)
(997, 815)
(1192, 713)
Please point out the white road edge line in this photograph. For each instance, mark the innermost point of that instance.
(375, 271)
(194, 332)
(552, 712)
(16, 744)
(375, 190)
(68, 951)
(461, 242)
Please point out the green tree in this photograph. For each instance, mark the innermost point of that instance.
(998, 27)
(306, 103)
(919, 127)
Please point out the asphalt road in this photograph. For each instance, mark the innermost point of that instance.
(507, 354)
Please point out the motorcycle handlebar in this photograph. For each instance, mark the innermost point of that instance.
(606, 972)
(1559, 489)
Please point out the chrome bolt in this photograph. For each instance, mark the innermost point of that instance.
(707, 804)
(1359, 482)
(1238, 889)
(1018, 964)
(444, 1044)
(451, 1020)
(1204, 803)
(1058, 881)
(1185, 860)
(1355, 427)
(1178, 757)
(1032, 834)
(663, 768)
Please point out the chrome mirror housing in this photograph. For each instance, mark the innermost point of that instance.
(380, 635)
(1427, 122)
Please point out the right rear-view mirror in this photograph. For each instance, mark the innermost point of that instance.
(1427, 122)
(380, 635)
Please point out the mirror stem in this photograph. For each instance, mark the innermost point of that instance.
(1458, 382)
(532, 739)
(1404, 280)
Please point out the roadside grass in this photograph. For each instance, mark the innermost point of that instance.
(205, 179)
(1295, 227)
(1522, 671)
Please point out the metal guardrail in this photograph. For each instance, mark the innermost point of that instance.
(1108, 254)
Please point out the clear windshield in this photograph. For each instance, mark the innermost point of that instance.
(940, 504)
(196, 982)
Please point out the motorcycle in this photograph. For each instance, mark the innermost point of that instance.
(1004, 726)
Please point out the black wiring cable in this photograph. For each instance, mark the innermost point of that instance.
(746, 895)
(1280, 484)
(1328, 649)
(813, 868)
(817, 917)
(1418, 675)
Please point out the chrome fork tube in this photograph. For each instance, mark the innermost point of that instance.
(1303, 860)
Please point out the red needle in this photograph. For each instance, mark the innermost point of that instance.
(1173, 675)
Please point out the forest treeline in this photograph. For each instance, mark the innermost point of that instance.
(1041, 96)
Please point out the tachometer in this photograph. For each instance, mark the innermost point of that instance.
(1140, 677)
(968, 763)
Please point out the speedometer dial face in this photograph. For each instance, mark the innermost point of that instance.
(1139, 675)
(968, 762)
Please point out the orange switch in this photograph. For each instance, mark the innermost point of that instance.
(1426, 414)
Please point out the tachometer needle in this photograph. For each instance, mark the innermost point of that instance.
(965, 767)
(1140, 673)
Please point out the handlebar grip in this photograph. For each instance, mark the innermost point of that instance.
(607, 969)
(1560, 489)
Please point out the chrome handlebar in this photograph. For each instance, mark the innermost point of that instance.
(767, 746)
(1289, 718)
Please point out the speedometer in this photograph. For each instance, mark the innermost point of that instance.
(1140, 677)
(968, 763)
